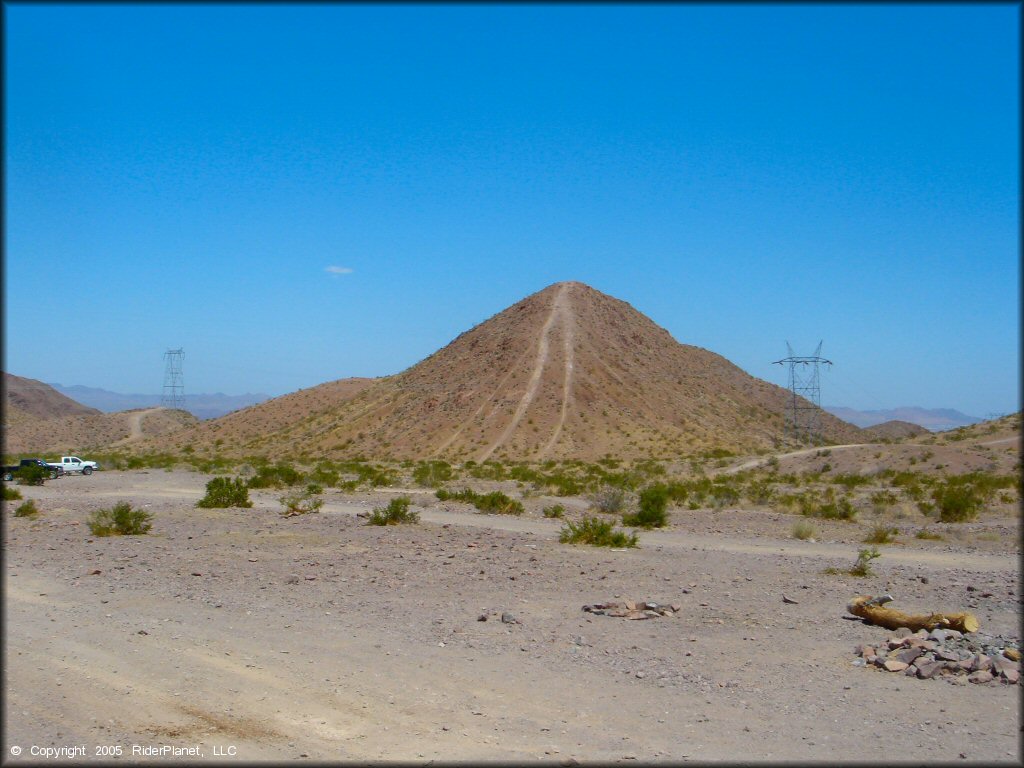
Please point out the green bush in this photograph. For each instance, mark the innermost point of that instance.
(431, 474)
(803, 530)
(957, 503)
(223, 492)
(11, 494)
(120, 520)
(275, 476)
(301, 502)
(28, 509)
(924, 533)
(863, 565)
(652, 512)
(881, 534)
(495, 501)
(556, 510)
(395, 513)
(596, 532)
(32, 474)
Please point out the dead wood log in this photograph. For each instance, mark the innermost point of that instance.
(869, 609)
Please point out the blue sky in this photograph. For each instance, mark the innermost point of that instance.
(187, 176)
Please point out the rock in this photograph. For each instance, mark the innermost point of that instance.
(891, 665)
(908, 655)
(902, 632)
(910, 671)
(982, 662)
(789, 600)
(1002, 664)
(508, 618)
(938, 635)
(482, 617)
(981, 676)
(293, 579)
(944, 654)
(1011, 653)
(1011, 676)
(928, 669)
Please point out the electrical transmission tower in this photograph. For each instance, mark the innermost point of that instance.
(174, 384)
(803, 411)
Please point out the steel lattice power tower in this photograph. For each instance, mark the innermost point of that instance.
(174, 384)
(803, 411)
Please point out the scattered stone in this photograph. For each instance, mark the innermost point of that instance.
(97, 572)
(789, 600)
(292, 580)
(482, 617)
(632, 609)
(946, 653)
(508, 618)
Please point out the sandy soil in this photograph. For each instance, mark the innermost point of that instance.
(324, 638)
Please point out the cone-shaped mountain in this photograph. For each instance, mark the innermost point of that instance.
(568, 372)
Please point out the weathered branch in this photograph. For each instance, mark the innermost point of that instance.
(869, 609)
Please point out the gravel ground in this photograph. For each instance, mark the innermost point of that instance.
(266, 638)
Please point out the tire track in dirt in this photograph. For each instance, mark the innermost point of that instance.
(564, 308)
(534, 382)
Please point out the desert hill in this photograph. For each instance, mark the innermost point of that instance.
(92, 431)
(568, 372)
(34, 399)
(894, 430)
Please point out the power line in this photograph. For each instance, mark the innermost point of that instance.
(803, 407)
(174, 383)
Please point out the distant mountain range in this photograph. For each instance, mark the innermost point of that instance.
(933, 419)
(202, 406)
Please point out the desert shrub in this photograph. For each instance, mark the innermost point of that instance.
(803, 530)
(924, 533)
(496, 501)
(223, 492)
(723, 495)
(652, 512)
(610, 501)
(31, 474)
(596, 532)
(555, 510)
(28, 509)
(850, 481)
(957, 503)
(395, 513)
(11, 494)
(863, 565)
(881, 534)
(884, 499)
(120, 520)
(301, 502)
(275, 476)
(760, 492)
(432, 473)
(829, 510)
(489, 470)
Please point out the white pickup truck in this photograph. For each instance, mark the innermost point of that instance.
(74, 464)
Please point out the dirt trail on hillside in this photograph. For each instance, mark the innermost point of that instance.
(563, 305)
(135, 425)
(540, 362)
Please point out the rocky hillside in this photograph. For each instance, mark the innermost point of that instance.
(568, 372)
(34, 399)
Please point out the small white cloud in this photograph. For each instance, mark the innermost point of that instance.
(340, 270)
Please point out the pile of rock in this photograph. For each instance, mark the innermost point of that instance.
(945, 653)
(633, 609)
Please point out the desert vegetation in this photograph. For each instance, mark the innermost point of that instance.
(120, 520)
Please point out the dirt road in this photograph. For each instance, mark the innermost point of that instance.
(325, 638)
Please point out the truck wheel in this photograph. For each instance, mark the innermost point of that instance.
(8, 476)
(54, 474)
(87, 471)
